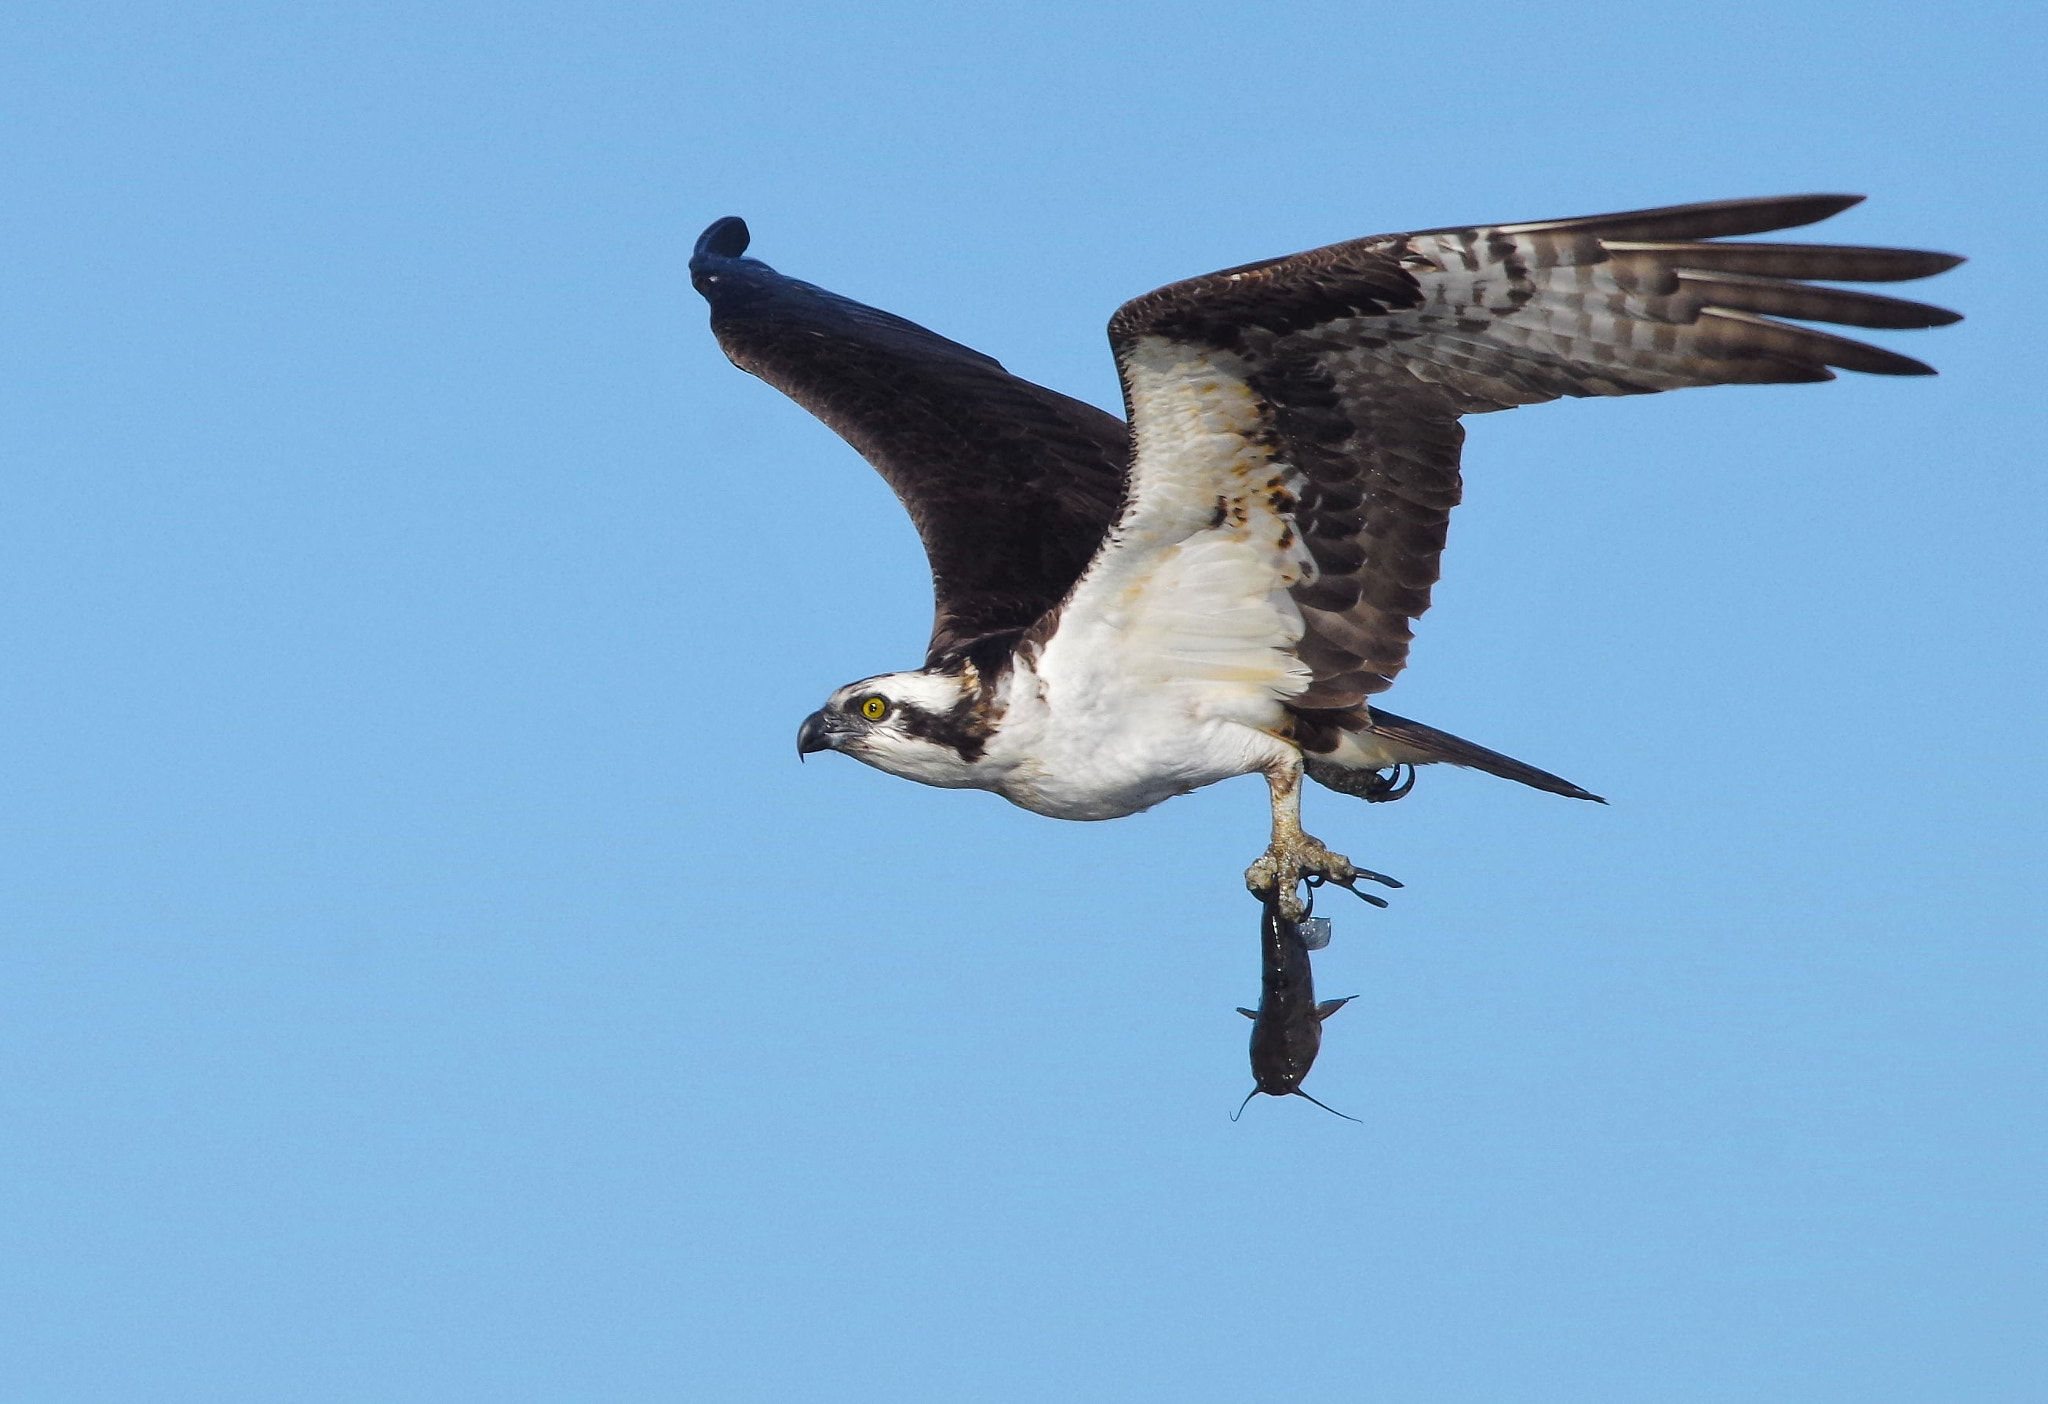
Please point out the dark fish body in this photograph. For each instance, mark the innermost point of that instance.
(1287, 1027)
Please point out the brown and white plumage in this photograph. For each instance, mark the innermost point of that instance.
(1224, 590)
(1364, 355)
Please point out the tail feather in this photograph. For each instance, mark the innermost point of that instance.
(1412, 743)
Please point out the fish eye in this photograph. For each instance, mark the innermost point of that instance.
(874, 708)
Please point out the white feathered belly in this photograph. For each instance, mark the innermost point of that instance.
(1173, 656)
(1106, 762)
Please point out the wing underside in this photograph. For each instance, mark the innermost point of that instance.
(1312, 403)
(1009, 484)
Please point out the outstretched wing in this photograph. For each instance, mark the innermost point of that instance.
(1296, 421)
(1011, 486)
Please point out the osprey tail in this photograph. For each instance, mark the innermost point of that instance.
(1352, 765)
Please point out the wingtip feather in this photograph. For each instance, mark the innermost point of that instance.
(726, 238)
(1707, 219)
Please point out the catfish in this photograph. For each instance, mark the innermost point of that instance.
(1287, 1027)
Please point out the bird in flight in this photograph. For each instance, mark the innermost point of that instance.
(1130, 610)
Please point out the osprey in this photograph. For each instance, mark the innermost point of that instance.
(1127, 611)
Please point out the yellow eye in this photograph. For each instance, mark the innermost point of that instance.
(874, 709)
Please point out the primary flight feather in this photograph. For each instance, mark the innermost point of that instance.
(1126, 611)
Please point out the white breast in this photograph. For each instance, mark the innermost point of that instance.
(1104, 751)
(1171, 659)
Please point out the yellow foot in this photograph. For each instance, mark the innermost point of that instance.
(1284, 866)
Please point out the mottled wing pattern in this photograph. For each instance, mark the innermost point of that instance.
(1187, 604)
(1343, 373)
(1010, 485)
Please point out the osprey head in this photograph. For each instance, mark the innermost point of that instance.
(926, 726)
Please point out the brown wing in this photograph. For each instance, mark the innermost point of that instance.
(1011, 486)
(1363, 355)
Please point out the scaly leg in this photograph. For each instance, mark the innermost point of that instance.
(1295, 855)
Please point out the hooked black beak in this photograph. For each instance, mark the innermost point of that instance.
(814, 735)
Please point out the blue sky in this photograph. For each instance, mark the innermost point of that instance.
(426, 973)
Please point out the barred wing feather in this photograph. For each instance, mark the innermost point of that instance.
(1295, 422)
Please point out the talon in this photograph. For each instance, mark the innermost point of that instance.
(1366, 875)
(1295, 857)
(1387, 786)
(1284, 868)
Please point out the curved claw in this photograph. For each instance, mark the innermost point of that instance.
(1388, 787)
(1281, 873)
(1315, 880)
